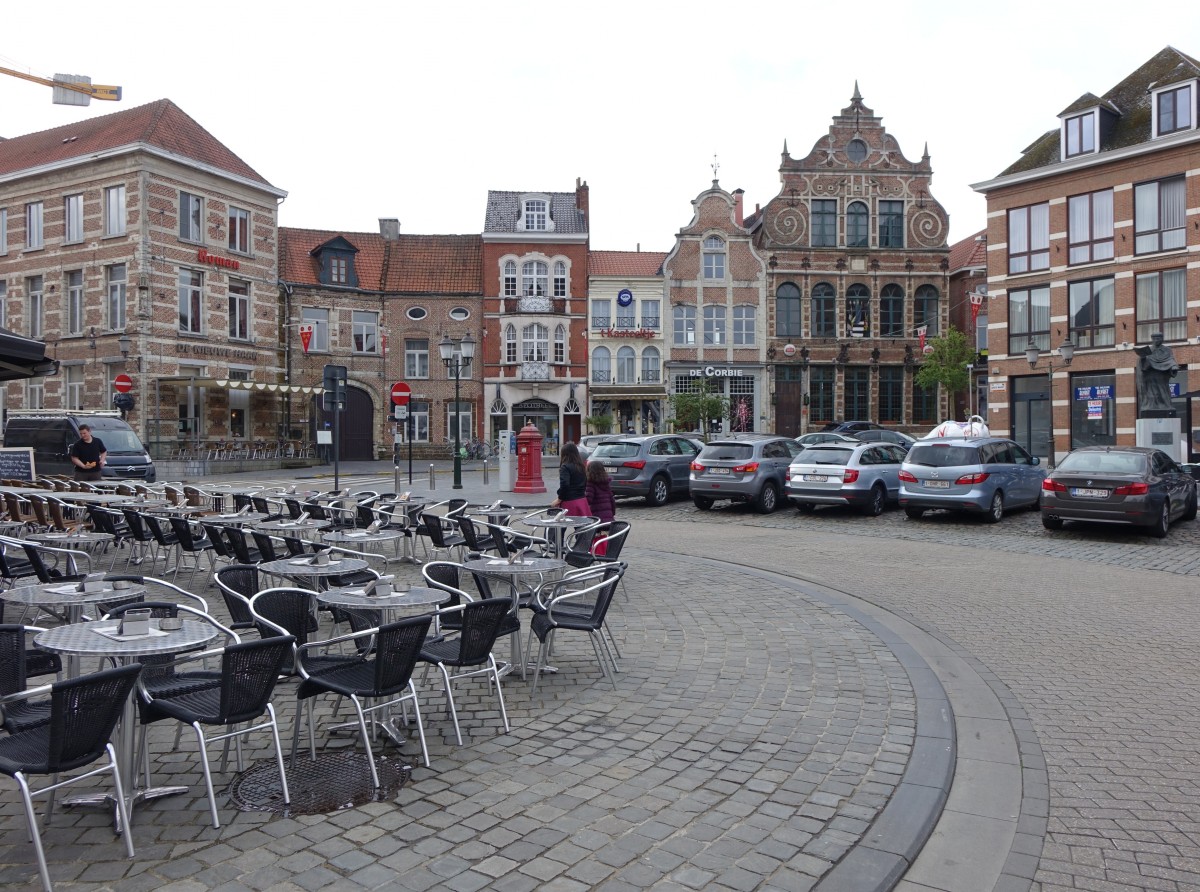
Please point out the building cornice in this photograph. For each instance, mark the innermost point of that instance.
(577, 238)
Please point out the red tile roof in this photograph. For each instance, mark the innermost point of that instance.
(970, 252)
(625, 263)
(161, 124)
(426, 264)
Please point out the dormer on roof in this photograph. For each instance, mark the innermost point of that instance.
(1173, 102)
(1085, 125)
(536, 213)
(335, 258)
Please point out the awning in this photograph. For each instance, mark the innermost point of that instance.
(227, 384)
(22, 357)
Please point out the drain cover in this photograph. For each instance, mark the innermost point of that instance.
(331, 782)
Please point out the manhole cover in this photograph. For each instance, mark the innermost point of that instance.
(331, 782)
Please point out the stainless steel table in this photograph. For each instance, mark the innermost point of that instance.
(304, 570)
(88, 639)
(512, 574)
(557, 527)
(250, 518)
(67, 597)
(292, 527)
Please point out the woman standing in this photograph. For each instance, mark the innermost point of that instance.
(600, 499)
(572, 483)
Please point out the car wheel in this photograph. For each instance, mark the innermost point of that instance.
(660, 492)
(703, 503)
(768, 496)
(914, 513)
(1050, 522)
(877, 503)
(995, 512)
(1160, 527)
(806, 507)
(1189, 513)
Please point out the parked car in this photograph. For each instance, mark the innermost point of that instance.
(865, 476)
(824, 437)
(588, 443)
(742, 468)
(51, 433)
(1109, 484)
(984, 475)
(851, 427)
(903, 440)
(653, 466)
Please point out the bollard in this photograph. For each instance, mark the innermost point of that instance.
(485, 472)
(432, 478)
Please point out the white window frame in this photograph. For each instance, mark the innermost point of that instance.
(647, 307)
(318, 318)
(536, 214)
(716, 329)
(74, 387)
(466, 420)
(602, 372)
(602, 313)
(511, 354)
(240, 239)
(364, 330)
(35, 236)
(535, 276)
(191, 301)
(626, 365)
(114, 210)
(3, 311)
(418, 412)
(714, 258)
(239, 310)
(3, 231)
(651, 365)
(35, 393)
(116, 278)
(74, 289)
(73, 218)
(416, 358)
(535, 342)
(560, 279)
(35, 296)
(626, 316)
(191, 217)
(745, 319)
(339, 270)
(683, 325)
(508, 282)
(560, 344)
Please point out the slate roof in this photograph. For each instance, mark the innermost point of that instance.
(421, 264)
(1130, 98)
(161, 124)
(504, 210)
(970, 252)
(626, 263)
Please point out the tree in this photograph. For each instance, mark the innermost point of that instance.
(601, 424)
(695, 411)
(947, 362)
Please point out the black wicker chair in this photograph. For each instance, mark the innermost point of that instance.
(578, 602)
(18, 663)
(189, 543)
(238, 583)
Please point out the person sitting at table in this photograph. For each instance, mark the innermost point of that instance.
(88, 455)
(572, 483)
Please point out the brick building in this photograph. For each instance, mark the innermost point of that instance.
(379, 303)
(136, 242)
(626, 340)
(968, 313)
(535, 279)
(856, 272)
(1092, 235)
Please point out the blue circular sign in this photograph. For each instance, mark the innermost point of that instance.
(624, 297)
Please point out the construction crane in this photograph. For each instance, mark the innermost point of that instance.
(70, 89)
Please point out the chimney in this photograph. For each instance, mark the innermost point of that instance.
(737, 206)
(389, 228)
(581, 195)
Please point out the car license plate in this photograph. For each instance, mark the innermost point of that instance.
(937, 484)
(718, 470)
(1080, 493)
(814, 478)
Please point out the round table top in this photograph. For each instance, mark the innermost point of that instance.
(295, 526)
(248, 517)
(354, 597)
(65, 594)
(67, 540)
(501, 566)
(88, 639)
(362, 537)
(300, 566)
(563, 520)
(174, 509)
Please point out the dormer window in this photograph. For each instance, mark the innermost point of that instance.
(535, 214)
(336, 262)
(1175, 109)
(339, 271)
(1080, 134)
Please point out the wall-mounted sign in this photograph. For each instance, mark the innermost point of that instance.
(624, 297)
(789, 349)
(628, 332)
(1096, 392)
(712, 371)
(998, 385)
(204, 257)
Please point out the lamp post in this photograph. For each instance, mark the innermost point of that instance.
(1067, 351)
(456, 362)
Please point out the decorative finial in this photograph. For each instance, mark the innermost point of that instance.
(716, 165)
(785, 151)
(925, 157)
(857, 97)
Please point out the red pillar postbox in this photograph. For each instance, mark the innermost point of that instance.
(529, 460)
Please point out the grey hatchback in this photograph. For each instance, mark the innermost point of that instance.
(984, 475)
(653, 466)
(743, 468)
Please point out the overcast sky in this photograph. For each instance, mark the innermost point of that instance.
(363, 110)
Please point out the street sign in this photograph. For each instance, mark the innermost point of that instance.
(402, 413)
(334, 384)
(122, 384)
(400, 393)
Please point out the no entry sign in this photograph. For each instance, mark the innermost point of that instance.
(400, 393)
(122, 384)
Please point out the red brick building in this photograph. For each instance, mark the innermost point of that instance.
(968, 313)
(1092, 234)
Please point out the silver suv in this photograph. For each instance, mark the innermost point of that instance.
(743, 468)
(984, 475)
(653, 466)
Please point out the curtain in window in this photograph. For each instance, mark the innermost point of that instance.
(601, 365)
(626, 365)
(1174, 212)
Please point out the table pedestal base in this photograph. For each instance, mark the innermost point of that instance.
(108, 800)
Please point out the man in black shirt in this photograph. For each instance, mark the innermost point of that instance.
(88, 455)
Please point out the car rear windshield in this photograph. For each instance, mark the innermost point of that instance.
(616, 450)
(824, 456)
(727, 452)
(943, 456)
(1104, 463)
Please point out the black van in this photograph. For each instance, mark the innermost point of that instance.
(51, 434)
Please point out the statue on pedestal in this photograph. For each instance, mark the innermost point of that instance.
(1155, 368)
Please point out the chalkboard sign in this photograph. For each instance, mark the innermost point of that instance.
(16, 463)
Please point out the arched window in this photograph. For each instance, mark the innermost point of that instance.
(651, 366)
(626, 365)
(535, 342)
(787, 311)
(925, 309)
(858, 311)
(824, 315)
(714, 257)
(510, 343)
(891, 311)
(560, 279)
(858, 225)
(510, 278)
(533, 278)
(560, 344)
(601, 366)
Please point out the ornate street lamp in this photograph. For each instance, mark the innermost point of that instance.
(456, 357)
(1067, 351)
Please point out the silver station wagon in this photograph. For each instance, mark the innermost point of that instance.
(865, 476)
